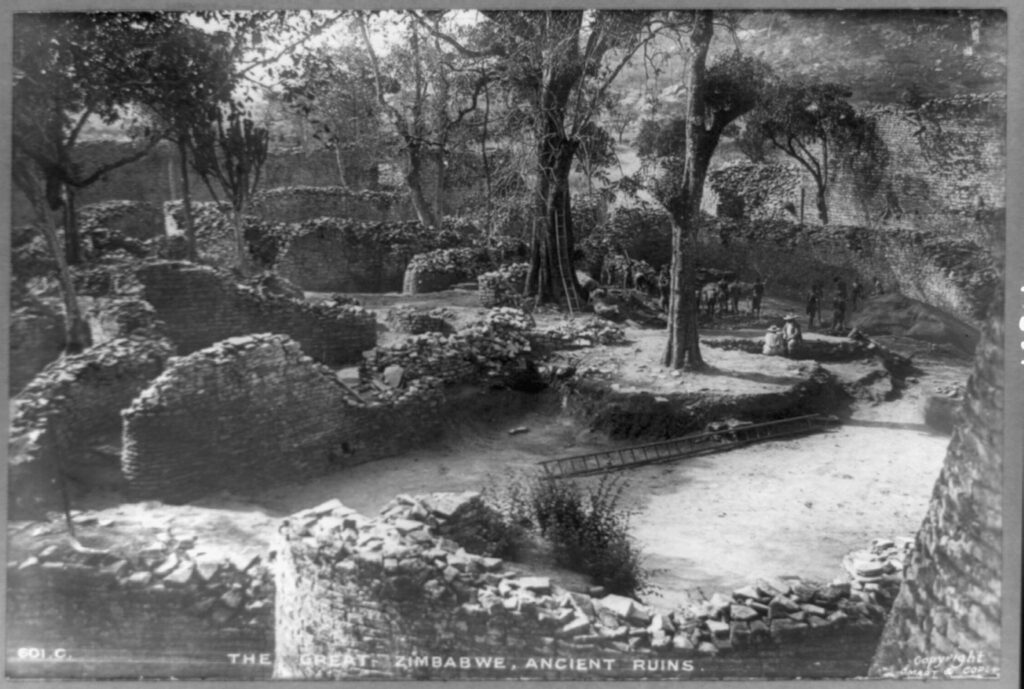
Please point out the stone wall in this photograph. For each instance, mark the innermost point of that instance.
(169, 610)
(111, 318)
(37, 336)
(957, 276)
(393, 598)
(440, 269)
(296, 204)
(504, 286)
(73, 403)
(947, 160)
(251, 412)
(157, 178)
(338, 255)
(137, 220)
(950, 609)
(200, 306)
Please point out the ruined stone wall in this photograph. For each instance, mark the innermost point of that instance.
(438, 270)
(338, 255)
(955, 275)
(951, 604)
(36, 333)
(393, 598)
(502, 287)
(946, 161)
(111, 318)
(74, 402)
(139, 614)
(251, 412)
(138, 220)
(200, 307)
(295, 204)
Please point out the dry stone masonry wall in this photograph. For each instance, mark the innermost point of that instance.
(393, 598)
(37, 337)
(955, 275)
(137, 220)
(502, 287)
(173, 599)
(71, 404)
(199, 307)
(252, 412)
(296, 204)
(438, 270)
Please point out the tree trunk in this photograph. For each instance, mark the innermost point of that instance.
(77, 335)
(552, 273)
(186, 205)
(72, 241)
(950, 600)
(414, 182)
(243, 264)
(342, 182)
(683, 347)
(822, 202)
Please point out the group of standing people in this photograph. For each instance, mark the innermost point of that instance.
(840, 298)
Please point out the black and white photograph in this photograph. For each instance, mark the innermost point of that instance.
(484, 343)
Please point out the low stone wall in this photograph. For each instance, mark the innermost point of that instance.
(392, 598)
(504, 286)
(200, 307)
(340, 255)
(648, 416)
(955, 275)
(37, 337)
(438, 270)
(133, 219)
(139, 614)
(251, 412)
(74, 402)
(414, 321)
(295, 204)
(481, 350)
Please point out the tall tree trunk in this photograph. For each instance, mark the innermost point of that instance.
(821, 199)
(951, 597)
(243, 264)
(186, 204)
(72, 241)
(77, 335)
(683, 347)
(414, 182)
(551, 268)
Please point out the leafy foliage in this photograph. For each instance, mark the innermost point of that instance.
(588, 527)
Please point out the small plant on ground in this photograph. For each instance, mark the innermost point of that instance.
(587, 526)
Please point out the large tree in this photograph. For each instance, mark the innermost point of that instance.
(816, 125)
(70, 69)
(716, 97)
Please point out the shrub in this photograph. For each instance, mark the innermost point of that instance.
(587, 526)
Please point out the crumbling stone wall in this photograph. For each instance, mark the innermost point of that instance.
(36, 338)
(339, 255)
(117, 317)
(438, 270)
(951, 604)
(135, 219)
(71, 404)
(149, 609)
(957, 276)
(254, 411)
(199, 307)
(504, 286)
(393, 598)
(296, 204)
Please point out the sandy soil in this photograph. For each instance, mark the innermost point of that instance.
(787, 507)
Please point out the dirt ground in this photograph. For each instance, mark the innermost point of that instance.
(785, 507)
